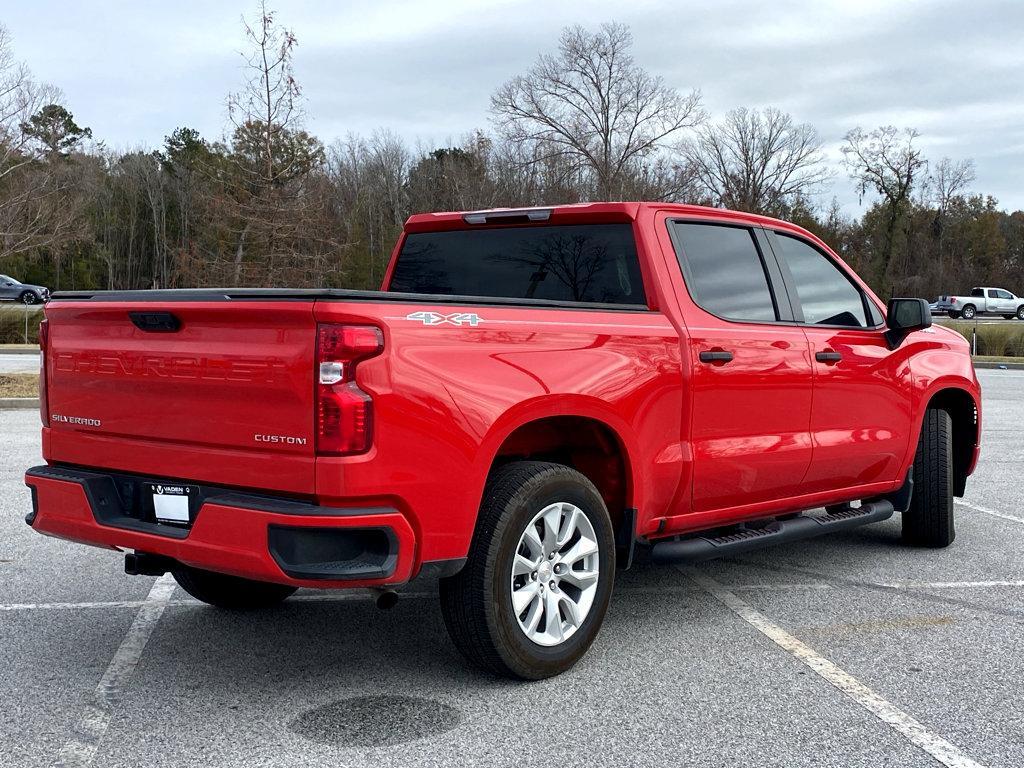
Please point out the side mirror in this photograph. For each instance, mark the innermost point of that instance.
(904, 316)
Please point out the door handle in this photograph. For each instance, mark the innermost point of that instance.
(715, 356)
(828, 356)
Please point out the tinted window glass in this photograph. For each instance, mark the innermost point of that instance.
(724, 271)
(977, 292)
(826, 295)
(578, 263)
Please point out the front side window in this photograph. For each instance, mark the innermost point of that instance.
(827, 295)
(724, 271)
(570, 263)
(1000, 294)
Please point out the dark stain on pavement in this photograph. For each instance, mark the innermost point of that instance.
(375, 721)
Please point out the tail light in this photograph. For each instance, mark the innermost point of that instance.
(44, 339)
(344, 413)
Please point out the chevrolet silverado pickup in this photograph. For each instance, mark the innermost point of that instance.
(535, 399)
(982, 301)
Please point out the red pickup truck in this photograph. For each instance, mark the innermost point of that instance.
(534, 399)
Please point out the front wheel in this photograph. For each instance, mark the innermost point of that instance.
(27, 297)
(954, 314)
(229, 592)
(533, 593)
(928, 522)
(1009, 317)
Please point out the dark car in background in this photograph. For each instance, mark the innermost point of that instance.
(12, 290)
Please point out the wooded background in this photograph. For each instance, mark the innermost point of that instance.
(269, 204)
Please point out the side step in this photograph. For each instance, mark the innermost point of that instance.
(777, 532)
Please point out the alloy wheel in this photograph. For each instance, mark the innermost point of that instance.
(555, 574)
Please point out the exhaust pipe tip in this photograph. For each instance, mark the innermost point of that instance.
(386, 599)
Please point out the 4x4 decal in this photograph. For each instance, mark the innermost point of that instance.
(430, 318)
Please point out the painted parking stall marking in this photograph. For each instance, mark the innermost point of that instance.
(942, 751)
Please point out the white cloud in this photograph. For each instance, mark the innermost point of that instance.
(135, 71)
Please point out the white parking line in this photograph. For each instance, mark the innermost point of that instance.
(80, 749)
(358, 595)
(942, 751)
(997, 514)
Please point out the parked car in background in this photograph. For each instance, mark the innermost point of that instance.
(12, 290)
(982, 301)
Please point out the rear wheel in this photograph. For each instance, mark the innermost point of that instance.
(1020, 312)
(969, 312)
(928, 522)
(535, 589)
(229, 592)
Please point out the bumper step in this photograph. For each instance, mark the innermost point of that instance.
(696, 549)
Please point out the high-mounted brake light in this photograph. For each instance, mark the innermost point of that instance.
(44, 340)
(344, 414)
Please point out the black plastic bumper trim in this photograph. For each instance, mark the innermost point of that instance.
(115, 500)
(337, 553)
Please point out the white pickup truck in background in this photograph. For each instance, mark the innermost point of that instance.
(982, 301)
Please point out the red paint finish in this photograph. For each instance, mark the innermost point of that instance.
(701, 444)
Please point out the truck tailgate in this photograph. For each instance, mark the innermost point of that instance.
(219, 391)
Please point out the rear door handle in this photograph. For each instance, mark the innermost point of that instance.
(715, 356)
(828, 356)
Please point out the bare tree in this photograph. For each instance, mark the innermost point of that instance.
(592, 104)
(269, 102)
(949, 178)
(271, 193)
(759, 161)
(886, 162)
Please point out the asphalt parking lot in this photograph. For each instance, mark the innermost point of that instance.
(850, 650)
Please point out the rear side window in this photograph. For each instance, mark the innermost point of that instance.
(574, 263)
(724, 271)
(827, 295)
(978, 292)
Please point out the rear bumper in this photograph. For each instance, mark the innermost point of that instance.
(264, 538)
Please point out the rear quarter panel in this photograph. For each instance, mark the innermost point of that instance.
(446, 396)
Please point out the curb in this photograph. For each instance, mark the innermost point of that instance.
(19, 403)
(18, 350)
(1001, 366)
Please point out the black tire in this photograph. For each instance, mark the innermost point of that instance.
(928, 522)
(954, 314)
(477, 602)
(1020, 312)
(28, 297)
(229, 592)
(969, 312)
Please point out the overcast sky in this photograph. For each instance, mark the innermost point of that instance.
(134, 70)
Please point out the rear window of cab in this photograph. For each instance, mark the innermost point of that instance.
(594, 263)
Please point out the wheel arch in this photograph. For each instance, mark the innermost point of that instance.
(963, 411)
(579, 434)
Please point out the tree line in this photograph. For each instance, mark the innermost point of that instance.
(269, 204)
